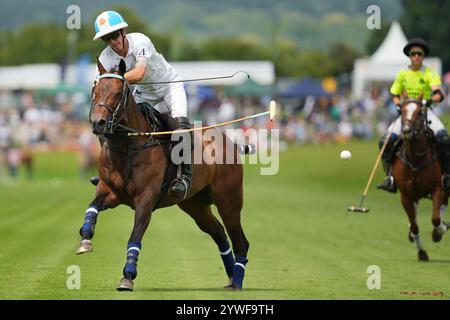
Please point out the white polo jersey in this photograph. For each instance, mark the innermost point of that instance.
(142, 50)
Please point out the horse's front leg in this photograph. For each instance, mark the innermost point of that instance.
(144, 206)
(440, 227)
(411, 210)
(104, 199)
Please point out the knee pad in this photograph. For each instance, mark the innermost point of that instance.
(442, 135)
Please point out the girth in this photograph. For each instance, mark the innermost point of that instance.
(132, 150)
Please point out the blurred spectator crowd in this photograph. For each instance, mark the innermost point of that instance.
(50, 123)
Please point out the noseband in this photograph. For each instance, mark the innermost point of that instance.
(116, 114)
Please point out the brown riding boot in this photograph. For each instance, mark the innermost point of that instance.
(388, 184)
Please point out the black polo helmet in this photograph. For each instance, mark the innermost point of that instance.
(416, 42)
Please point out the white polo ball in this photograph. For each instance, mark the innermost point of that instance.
(346, 155)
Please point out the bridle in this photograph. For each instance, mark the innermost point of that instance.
(119, 112)
(417, 126)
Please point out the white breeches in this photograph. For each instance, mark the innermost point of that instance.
(174, 101)
(435, 124)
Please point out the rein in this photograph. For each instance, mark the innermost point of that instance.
(117, 114)
(416, 134)
(123, 103)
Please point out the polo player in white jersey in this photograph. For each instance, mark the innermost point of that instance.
(145, 65)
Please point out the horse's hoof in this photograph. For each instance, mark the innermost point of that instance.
(410, 238)
(436, 235)
(232, 287)
(85, 246)
(423, 256)
(125, 285)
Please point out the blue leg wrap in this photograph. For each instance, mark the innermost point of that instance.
(87, 230)
(227, 257)
(239, 271)
(132, 258)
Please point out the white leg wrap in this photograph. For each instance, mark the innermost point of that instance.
(416, 205)
(442, 210)
(417, 241)
(442, 228)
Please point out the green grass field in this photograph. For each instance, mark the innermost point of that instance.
(303, 242)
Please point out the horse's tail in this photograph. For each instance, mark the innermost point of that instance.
(246, 148)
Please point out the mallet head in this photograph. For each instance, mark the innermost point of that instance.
(358, 209)
(272, 110)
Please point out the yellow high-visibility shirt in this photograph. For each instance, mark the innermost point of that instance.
(416, 82)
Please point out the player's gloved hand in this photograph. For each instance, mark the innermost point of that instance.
(427, 102)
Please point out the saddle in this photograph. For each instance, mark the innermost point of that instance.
(159, 121)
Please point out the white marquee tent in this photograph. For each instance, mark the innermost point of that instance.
(384, 64)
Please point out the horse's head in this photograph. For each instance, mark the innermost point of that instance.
(412, 119)
(109, 99)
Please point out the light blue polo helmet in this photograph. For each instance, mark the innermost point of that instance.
(107, 22)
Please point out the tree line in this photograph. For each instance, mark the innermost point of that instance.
(51, 43)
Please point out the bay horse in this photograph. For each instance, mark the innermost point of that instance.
(132, 172)
(417, 172)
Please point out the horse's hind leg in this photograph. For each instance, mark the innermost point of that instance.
(230, 206)
(444, 207)
(439, 205)
(104, 199)
(411, 210)
(207, 222)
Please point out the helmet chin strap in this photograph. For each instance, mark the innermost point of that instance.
(123, 42)
(123, 39)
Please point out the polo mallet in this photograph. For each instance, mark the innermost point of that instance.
(199, 79)
(360, 208)
(272, 113)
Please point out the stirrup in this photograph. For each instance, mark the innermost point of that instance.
(445, 181)
(186, 185)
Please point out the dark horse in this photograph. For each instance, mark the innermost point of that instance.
(132, 172)
(417, 172)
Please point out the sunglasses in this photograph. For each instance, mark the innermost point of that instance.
(112, 36)
(416, 53)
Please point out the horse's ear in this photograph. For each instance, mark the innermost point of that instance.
(100, 67)
(122, 67)
(405, 95)
(420, 96)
